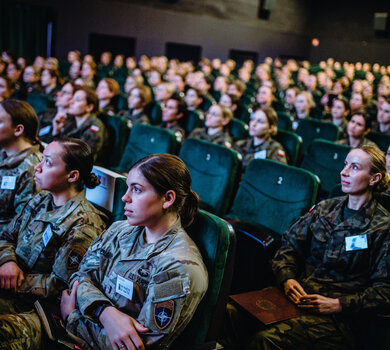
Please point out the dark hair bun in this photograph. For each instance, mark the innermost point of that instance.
(92, 181)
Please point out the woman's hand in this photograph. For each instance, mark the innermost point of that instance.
(122, 330)
(58, 123)
(68, 301)
(11, 276)
(320, 304)
(293, 290)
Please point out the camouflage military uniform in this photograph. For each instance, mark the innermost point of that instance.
(16, 182)
(92, 131)
(364, 142)
(268, 149)
(47, 244)
(167, 278)
(375, 128)
(134, 119)
(314, 253)
(221, 138)
(177, 130)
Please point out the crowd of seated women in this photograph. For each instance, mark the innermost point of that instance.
(47, 226)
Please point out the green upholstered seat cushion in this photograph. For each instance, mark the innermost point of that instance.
(118, 131)
(238, 129)
(214, 171)
(145, 140)
(326, 160)
(292, 144)
(272, 195)
(39, 102)
(284, 121)
(311, 129)
(212, 236)
(381, 139)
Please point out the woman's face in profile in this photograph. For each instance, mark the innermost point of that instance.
(143, 205)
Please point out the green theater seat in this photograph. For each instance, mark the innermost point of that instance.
(270, 197)
(216, 242)
(191, 120)
(284, 121)
(214, 171)
(311, 129)
(154, 112)
(118, 131)
(292, 143)
(145, 140)
(39, 102)
(326, 160)
(238, 129)
(382, 140)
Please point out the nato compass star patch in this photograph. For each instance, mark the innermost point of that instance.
(163, 313)
(74, 257)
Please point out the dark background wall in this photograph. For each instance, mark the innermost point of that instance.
(345, 28)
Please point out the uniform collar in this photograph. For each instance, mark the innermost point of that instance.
(360, 220)
(16, 159)
(126, 243)
(58, 218)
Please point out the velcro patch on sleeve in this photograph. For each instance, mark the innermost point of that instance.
(74, 257)
(169, 289)
(163, 313)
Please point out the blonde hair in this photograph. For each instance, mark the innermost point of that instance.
(378, 165)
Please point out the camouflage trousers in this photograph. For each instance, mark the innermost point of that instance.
(20, 327)
(243, 331)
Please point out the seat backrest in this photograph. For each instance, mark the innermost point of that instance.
(118, 131)
(214, 171)
(238, 129)
(272, 194)
(145, 140)
(108, 195)
(154, 112)
(191, 120)
(216, 242)
(122, 102)
(311, 129)
(284, 121)
(326, 160)
(39, 102)
(381, 139)
(292, 143)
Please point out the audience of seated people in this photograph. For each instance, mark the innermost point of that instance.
(355, 97)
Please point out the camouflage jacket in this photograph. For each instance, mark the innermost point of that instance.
(143, 280)
(375, 128)
(134, 119)
(177, 130)
(314, 253)
(92, 131)
(364, 142)
(48, 244)
(17, 184)
(221, 138)
(269, 149)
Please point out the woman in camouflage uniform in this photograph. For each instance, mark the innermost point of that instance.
(44, 244)
(141, 281)
(262, 126)
(19, 153)
(333, 263)
(358, 127)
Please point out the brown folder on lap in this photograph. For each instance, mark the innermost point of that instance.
(269, 305)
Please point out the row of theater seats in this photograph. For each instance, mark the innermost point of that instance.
(236, 248)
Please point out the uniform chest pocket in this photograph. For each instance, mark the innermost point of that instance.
(130, 275)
